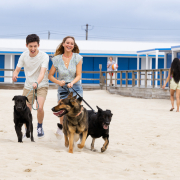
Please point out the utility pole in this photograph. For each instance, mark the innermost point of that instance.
(49, 34)
(86, 29)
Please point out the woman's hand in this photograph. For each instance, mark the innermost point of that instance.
(70, 85)
(164, 86)
(61, 83)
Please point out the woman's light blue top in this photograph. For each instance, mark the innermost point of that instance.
(66, 74)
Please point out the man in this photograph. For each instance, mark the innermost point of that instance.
(35, 63)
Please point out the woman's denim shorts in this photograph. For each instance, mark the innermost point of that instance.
(63, 93)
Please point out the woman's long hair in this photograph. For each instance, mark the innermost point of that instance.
(175, 70)
(60, 48)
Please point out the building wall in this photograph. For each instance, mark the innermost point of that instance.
(2, 67)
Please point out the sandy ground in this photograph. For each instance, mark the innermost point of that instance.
(144, 143)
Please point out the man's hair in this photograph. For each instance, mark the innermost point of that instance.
(32, 38)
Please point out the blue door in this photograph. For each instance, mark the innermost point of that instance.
(122, 65)
(126, 64)
(50, 64)
(88, 65)
(21, 73)
(132, 66)
(97, 61)
(1, 67)
(178, 55)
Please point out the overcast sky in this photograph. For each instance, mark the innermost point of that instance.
(117, 20)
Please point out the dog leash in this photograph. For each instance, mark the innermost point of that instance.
(78, 95)
(34, 96)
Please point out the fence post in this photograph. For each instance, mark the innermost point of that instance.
(160, 78)
(126, 79)
(133, 79)
(115, 79)
(145, 79)
(153, 78)
(139, 78)
(101, 83)
(13, 73)
(106, 80)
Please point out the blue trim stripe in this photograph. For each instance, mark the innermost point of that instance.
(161, 49)
(10, 52)
(87, 54)
(175, 46)
(97, 54)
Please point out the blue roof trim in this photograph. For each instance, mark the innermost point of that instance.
(161, 49)
(175, 46)
(97, 54)
(87, 54)
(143, 55)
(10, 52)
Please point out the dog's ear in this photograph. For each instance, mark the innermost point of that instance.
(14, 98)
(27, 99)
(79, 100)
(73, 98)
(99, 109)
(70, 95)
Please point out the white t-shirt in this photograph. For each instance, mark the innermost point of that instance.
(32, 67)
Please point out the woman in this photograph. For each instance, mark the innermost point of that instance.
(109, 68)
(174, 72)
(68, 62)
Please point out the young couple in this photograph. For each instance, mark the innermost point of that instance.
(67, 61)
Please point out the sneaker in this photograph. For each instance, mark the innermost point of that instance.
(40, 132)
(59, 132)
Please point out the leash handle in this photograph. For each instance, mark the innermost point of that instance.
(34, 96)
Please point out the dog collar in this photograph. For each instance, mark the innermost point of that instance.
(79, 112)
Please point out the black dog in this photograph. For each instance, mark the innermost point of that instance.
(22, 115)
(99, 126)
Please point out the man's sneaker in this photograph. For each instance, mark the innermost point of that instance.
(40, 132)
(59, 132)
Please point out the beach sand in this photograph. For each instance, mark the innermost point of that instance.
(144, 143)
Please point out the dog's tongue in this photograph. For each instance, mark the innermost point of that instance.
(105, 126)
(58, 113)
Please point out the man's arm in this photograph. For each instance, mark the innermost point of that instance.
(15, 74)
(41, 77)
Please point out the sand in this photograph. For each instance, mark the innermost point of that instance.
(144, 143)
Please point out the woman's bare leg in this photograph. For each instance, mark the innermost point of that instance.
(177, 99)
(172, 98)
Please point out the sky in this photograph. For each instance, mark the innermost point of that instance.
(110, 20)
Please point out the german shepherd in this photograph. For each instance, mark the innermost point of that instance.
(75, 120)
(99, 126)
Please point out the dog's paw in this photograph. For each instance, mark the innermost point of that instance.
(20, 141)
(28, 134)
(103, 149)
(66, 144)
(80, 146)
(93, 150)
(70, 150)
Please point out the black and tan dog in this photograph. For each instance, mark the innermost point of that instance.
(22, 115)
(99, 126)
(75, 120)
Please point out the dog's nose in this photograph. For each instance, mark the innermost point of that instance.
(107, 122)
(52, 109)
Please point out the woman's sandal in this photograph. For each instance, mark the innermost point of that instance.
(171, 109)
